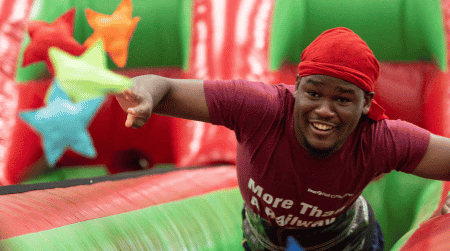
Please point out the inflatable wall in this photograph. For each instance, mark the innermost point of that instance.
(198, 209)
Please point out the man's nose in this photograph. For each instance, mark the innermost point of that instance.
(325, 109)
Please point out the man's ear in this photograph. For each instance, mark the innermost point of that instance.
(297, 81)
(368, 96)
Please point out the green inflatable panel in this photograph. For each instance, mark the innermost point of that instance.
(401, 201)
(425, 206)
(208, 222)
(161, 38)
(67, 173)
(396, 30)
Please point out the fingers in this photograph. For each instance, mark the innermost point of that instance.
(127, 99)
(138, 108)
(138, 116)
(127, 94)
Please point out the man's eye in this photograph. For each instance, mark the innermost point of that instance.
(313, 94)
(343, 100)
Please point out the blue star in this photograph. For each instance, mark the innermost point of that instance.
(63, 124)
(293, 245)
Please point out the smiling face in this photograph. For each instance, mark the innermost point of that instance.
(326, 112)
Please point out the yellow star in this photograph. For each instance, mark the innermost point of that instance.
(115, 31)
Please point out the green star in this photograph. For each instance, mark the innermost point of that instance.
(86, 77)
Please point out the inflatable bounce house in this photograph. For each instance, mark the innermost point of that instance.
(75, 178)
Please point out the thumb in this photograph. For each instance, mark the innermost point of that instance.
(137, 116)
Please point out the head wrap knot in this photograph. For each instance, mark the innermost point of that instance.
(342, 54)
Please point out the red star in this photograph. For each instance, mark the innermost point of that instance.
(57, 34)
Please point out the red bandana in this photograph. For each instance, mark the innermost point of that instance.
(340, 53)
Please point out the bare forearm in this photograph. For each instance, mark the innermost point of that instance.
(182, 98)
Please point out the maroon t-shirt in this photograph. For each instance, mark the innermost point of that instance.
(279, 179)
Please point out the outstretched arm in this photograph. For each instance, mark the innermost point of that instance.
(436, 161)
(182, 98)
(436, 164)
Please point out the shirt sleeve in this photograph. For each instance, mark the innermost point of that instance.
(404, 145)
(242, 105)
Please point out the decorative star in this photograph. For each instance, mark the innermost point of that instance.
(63, 124)
(86, 77)
(115, 30)
(57, 34)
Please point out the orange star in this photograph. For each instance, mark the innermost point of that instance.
(57, 34)
(115, 31)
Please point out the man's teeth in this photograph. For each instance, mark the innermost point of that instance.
(322, 126)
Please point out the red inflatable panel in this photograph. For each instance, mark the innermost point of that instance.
(437, 94)
(219, 50)
(25, 148)
(13, 19)
(200, 144)
(399, 90)
(431, 235)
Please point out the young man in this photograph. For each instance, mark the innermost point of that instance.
(305, 152)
